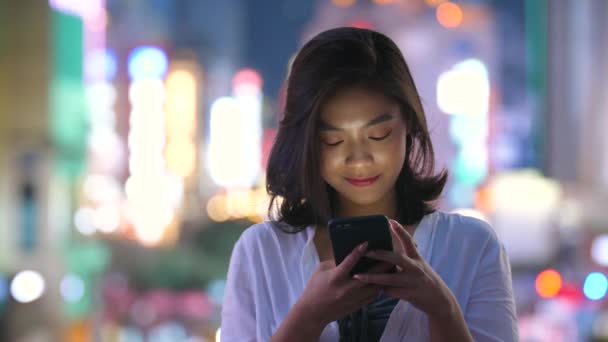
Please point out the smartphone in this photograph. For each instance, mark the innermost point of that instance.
(347, 233)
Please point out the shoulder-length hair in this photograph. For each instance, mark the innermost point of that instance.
(333, 60)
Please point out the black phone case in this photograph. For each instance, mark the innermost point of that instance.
(348, 233)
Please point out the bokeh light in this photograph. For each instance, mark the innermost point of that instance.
(465, 89)
(4, 289)
(83, 220)
(101, 96)
(147, 94)
(131, 334)
(595, 286)
(101, 188)
(449, 15)
(85, 9)
(215, 290)
(247, 78)
(101, 64)
(180, 157)
(385, 2)
(170, 331)
(236, 142)
(216, 209)
(72, 288)
(150, 219)
(181, 103)
(361, 23)
(434, 3)
(548, 283)
(27, 286)
(599, 250)
(147, 62)
(106, 218)
(343, 3)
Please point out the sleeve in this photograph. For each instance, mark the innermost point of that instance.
(490, 312)
(238, 321)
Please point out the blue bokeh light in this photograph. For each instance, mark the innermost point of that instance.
(595, 286)
(147, 62)
(3, 288)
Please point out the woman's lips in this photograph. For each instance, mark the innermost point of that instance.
(363, 181)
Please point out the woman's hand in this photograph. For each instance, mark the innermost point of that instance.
(415, 281)
(332, 294)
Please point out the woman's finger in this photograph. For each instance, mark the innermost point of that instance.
(386, 279)
(407, 241)
(381, 267)
(359, 290)
(351, 259)
(390, 257)
(327, 264)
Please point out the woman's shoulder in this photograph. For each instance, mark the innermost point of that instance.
(472, 231)
(268, 234)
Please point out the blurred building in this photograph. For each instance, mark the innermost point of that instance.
(28, 238)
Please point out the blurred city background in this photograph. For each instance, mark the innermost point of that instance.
(134, 136)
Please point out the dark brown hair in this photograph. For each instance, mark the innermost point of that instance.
(333, 60)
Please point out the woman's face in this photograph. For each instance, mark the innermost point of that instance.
(363, 142)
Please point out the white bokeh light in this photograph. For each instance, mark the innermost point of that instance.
(464, 89)
(599, 249)
(72, 288)
(83, 220)
(27, 286)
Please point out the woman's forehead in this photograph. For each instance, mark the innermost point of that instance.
(357, 104)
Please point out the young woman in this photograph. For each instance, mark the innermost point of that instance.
(354, 141)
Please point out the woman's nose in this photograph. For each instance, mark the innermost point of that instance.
(359, 154)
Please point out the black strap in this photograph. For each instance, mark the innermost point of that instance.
(367, 324)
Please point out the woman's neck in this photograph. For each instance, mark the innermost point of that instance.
(387, 207)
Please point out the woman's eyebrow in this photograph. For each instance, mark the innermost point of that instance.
(324, 126)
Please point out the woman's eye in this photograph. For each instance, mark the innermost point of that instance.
(332, 143)
(382, 137)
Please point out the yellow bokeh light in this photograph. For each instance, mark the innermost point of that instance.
(237, 202)
(181, 130)
(435, 3)
(180, 157)
(255, 218)
(216, 208)
(150, 219)
(181, 97)
(182, 80)
(224, 171)
(385, 2)
(343, 3)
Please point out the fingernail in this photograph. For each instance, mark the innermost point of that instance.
(363, 246)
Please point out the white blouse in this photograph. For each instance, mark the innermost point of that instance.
(269, 270)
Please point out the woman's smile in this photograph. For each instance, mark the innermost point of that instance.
(363, 181)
